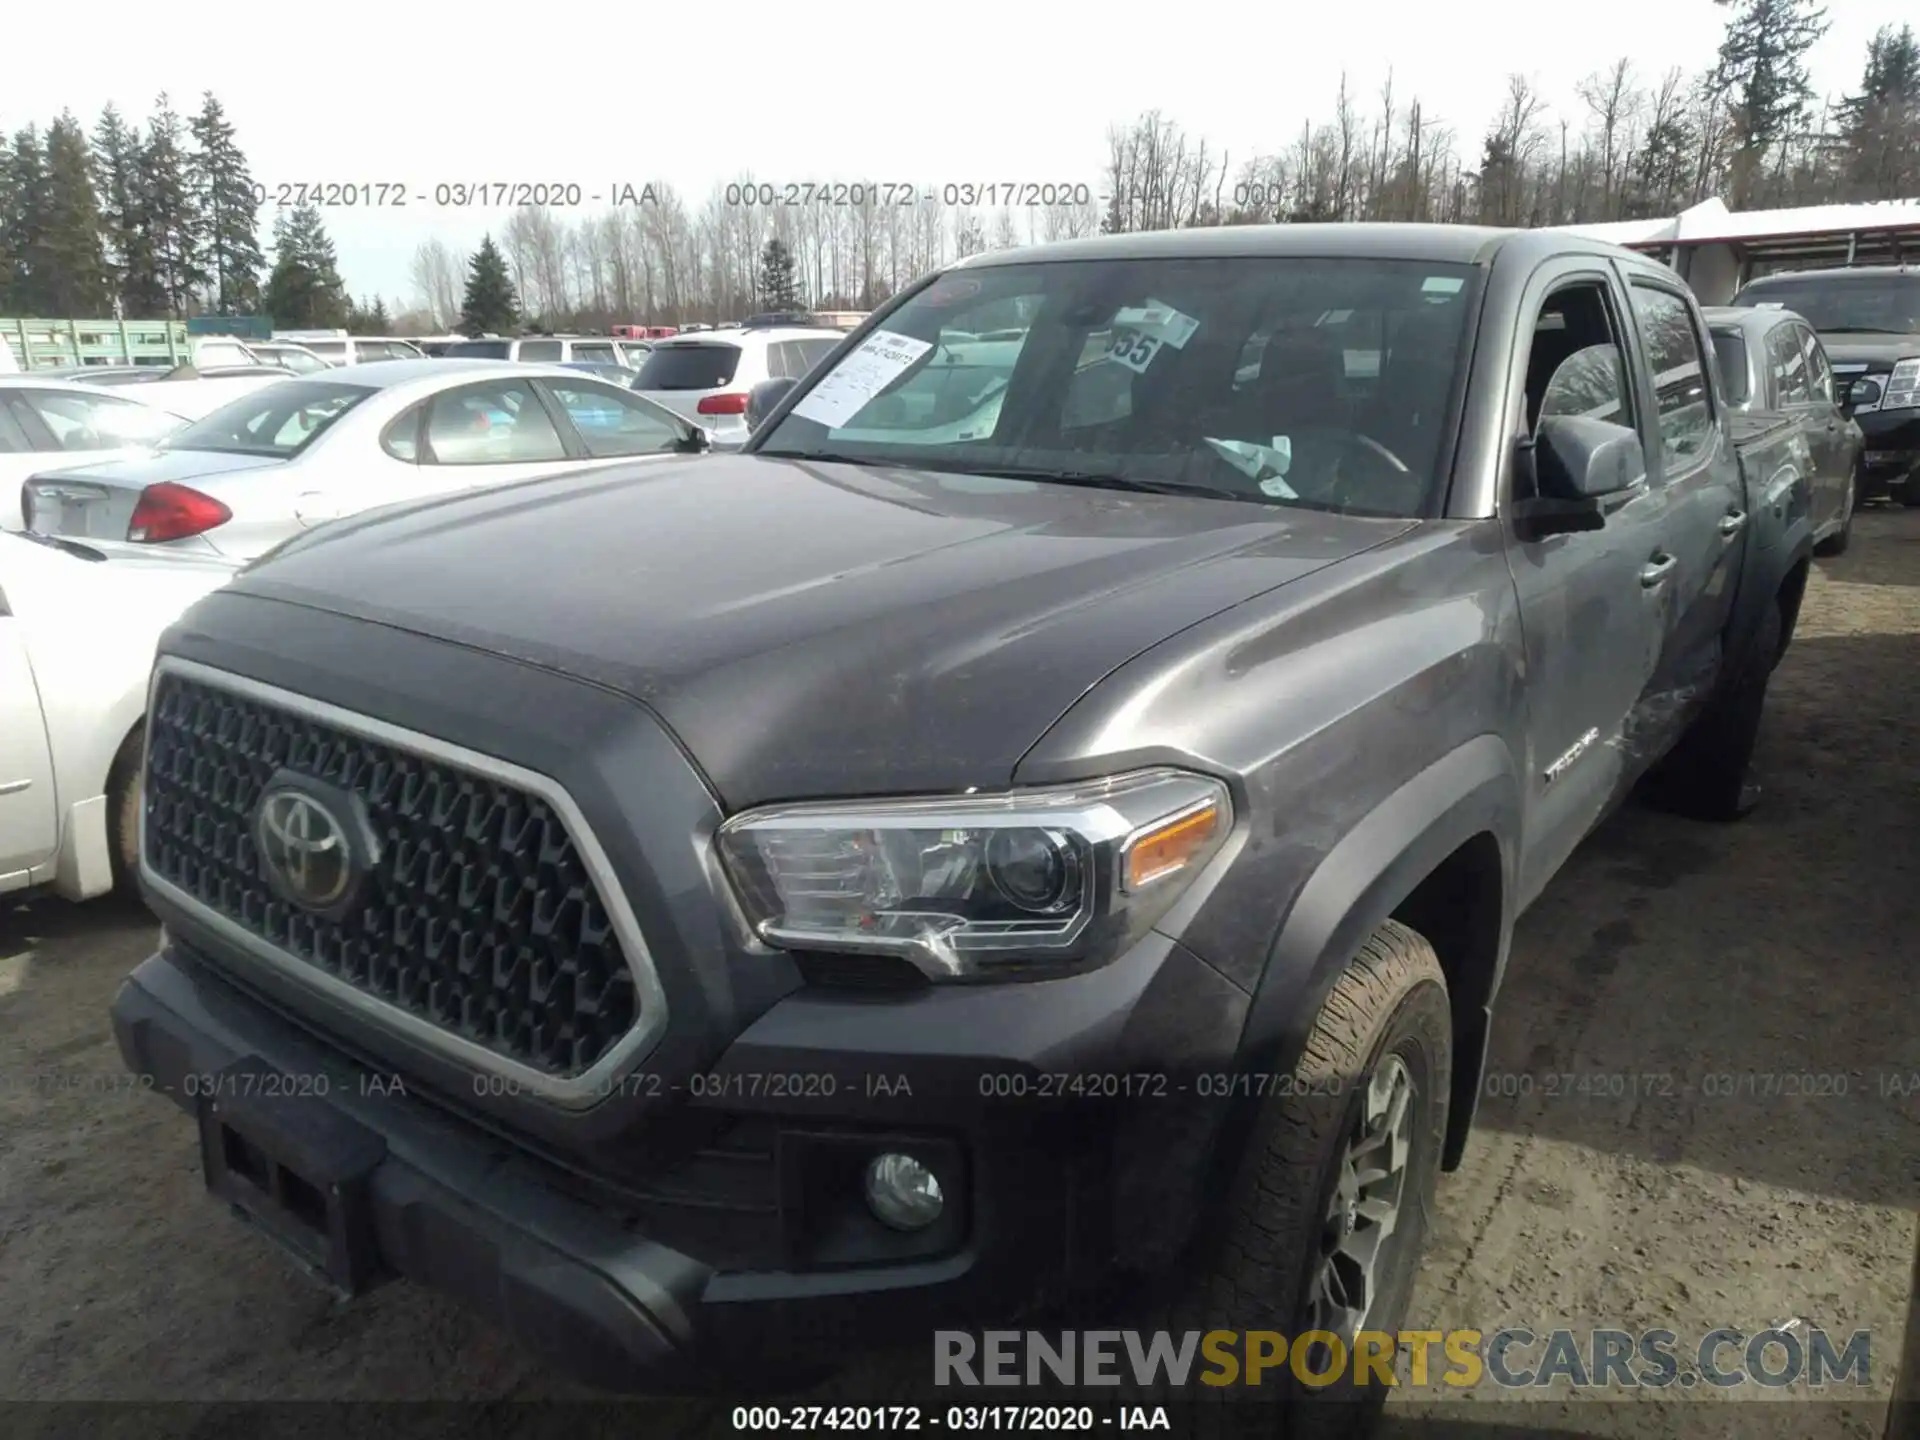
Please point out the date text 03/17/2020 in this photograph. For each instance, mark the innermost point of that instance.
(471, 194)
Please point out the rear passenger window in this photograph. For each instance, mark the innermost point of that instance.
(1819, 373)
(1679, 375)
(1789, 366)
(499, 423)
(602, 353)
(540, 350)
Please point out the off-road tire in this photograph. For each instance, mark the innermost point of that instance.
(1708, 776)
(123, 814)
(1392, 998)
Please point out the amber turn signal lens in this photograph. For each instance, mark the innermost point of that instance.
(1168, 848)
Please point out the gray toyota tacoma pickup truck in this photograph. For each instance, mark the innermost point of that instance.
(1040, 829)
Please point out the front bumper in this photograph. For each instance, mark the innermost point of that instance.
(1048, 1197)
(1891, 458)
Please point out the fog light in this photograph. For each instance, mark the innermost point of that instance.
(902, 1192)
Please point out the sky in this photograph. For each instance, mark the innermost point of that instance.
(412, 96)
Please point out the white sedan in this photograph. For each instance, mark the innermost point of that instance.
(78, 626)
(307, 450)
(46, 424)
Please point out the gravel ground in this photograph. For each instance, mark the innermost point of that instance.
(1615, 1186)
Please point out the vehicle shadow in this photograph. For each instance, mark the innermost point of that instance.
(1885, 549)
(1740, 998)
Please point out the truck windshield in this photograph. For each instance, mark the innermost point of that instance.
(1315, 382)
(1839, 304)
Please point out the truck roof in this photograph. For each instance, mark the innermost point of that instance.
(1833, 272)
(1442, 244)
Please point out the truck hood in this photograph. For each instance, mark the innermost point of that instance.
(1851, 348)
(813, 629)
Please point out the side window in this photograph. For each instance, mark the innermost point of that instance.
(811, 353)
(97, 422)
(1788, 362)
(1685, 406)
(13, 435)
(1576, 364)
(1819, 372)
(601, 353)
(401, 439)
(779, 363)
(612, 422)
(544, 351)
(497, 423)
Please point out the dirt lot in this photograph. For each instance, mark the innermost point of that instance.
(1614, 1187)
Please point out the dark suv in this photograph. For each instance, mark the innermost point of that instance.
(1868, 318)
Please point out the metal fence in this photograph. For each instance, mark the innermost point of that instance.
(47, 344)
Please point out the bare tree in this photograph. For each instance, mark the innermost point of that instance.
(437, 274)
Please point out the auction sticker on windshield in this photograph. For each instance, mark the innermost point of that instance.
(875, 364)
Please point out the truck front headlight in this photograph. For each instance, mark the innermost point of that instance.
(1903, 387)
(971, 886)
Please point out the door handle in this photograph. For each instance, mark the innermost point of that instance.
(1655, 571)
(1733, 523)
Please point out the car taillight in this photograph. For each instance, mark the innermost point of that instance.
(723, 405)
(173, 512)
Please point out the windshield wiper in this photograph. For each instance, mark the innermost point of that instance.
(1101, 480)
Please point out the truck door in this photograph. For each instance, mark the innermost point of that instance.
(1593, 603)
(1693, 459)
(29, 815)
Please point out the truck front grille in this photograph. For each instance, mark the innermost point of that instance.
(478, 916)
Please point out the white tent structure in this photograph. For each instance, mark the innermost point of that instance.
(1718, 250)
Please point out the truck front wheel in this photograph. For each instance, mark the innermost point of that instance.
(1327, 1216)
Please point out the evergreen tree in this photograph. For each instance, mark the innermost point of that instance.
(778, 289)
(116, 181)
(305, 290)
(1880, 126)
(374, 319)
(490, 304)
(10, 199)
(168, 216)
(27, 188)
(1763, 64)
(227, 238)
(71, 263)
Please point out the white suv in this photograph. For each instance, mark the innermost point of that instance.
(552, 350)
(706, 377)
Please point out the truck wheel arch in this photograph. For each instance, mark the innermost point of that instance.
(1438, 855)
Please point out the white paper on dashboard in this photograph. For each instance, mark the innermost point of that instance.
(1265, 464)
(861, 376)
(1166, 324)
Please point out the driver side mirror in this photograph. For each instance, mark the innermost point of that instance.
(1569, 468)
(764, 397)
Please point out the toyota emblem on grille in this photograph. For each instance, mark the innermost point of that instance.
(305, 847)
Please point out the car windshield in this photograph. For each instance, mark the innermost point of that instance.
(278, 420)
(1839, 304)
(1314, 382)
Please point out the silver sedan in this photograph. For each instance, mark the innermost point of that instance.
(301, 452)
